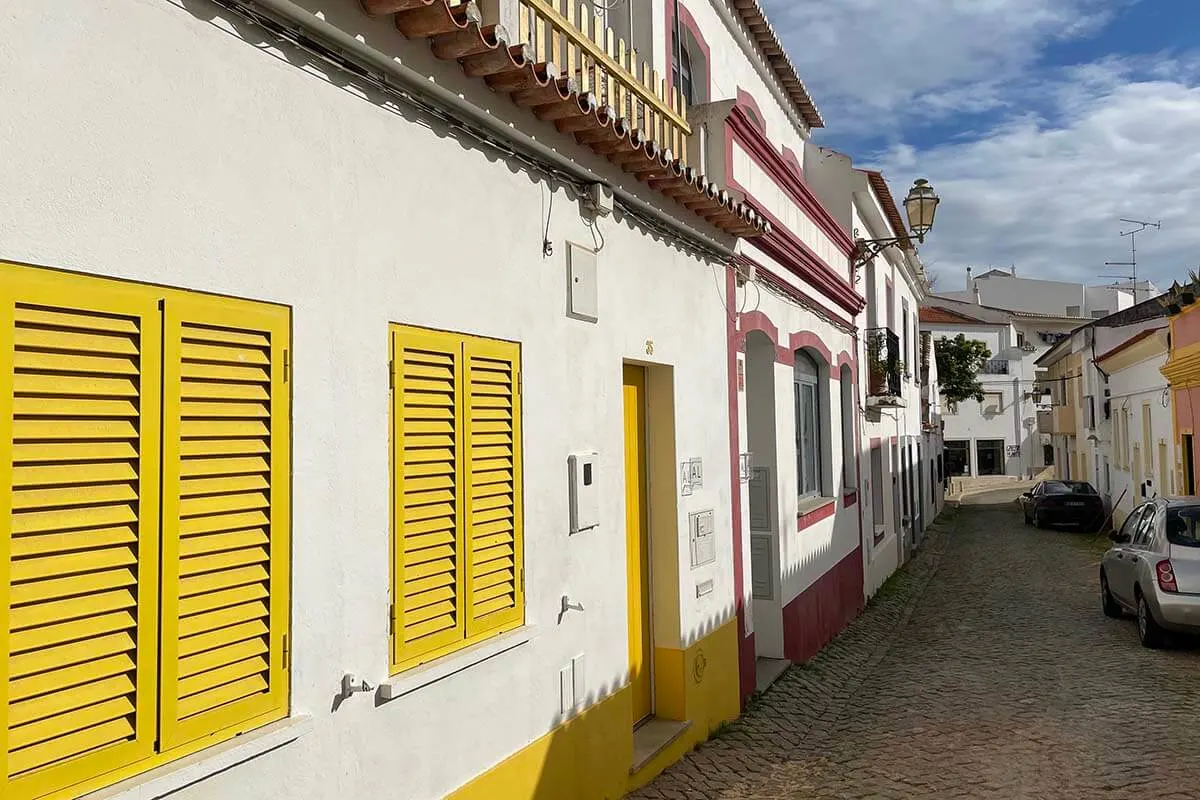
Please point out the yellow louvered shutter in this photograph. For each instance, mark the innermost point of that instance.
(492, 427)
(226, 472)
(79, 460)
(426, 519)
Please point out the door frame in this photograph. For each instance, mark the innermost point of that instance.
(647, 559)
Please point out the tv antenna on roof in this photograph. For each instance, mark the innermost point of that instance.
(1132, 262)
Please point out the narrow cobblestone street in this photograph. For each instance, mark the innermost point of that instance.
(985, 669)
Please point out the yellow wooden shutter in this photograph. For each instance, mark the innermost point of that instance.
(492, 424)
(226, 472)
(79, 427)
(426, 521)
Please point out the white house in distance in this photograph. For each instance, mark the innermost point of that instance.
(1137, 428)
(1108, 402)
(999, 288)
(998, 436)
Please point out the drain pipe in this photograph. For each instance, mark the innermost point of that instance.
(413, 82)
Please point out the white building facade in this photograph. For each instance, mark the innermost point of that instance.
(1137, 443)
(1005, 289)
(998, 436)
(387, 415)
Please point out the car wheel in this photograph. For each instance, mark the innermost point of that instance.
(1149, 632)
(1111, 607)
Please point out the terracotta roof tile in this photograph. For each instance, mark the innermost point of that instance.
(1130, 342)
(936, 314)
(879, 184)
(455, 32)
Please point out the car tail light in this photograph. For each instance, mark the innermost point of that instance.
(1166, 576)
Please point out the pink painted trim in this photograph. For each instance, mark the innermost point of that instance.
(798, 258)
(876, 441)
(768, 276)
(816, 615)
(746, 661)
(844, 359)
(759, 321)
(688, 21)
(752, 109)
(792, 161)
(816, 515)
(756, 321)
(849, 498)
(811, 341)
(764, 154)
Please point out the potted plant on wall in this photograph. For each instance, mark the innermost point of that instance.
(876, 344)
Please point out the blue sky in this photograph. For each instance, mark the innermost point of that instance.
(1040, 122)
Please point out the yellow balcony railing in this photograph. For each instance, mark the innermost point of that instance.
(572, 37)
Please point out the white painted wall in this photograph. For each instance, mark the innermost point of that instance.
(1037, 296)
(154, 144)
(1015, 419)
(1133, 388)
(803, 555)
(904, 424)
(735, 64)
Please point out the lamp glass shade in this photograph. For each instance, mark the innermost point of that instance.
(921, 206)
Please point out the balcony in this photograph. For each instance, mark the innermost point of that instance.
(883, 367)
(571, 36)
(995, 366)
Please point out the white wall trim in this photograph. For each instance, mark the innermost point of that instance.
(196, 767)
(413, 679)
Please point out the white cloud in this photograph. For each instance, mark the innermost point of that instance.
(1047, 195)
(1037, 163)
(863, 59)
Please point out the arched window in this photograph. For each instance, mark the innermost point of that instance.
(808, 425)
(689, 61)
(849, 454)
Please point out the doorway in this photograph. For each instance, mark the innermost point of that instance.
(989, 457)
(958, 458)
(637, 543)
(765, 577)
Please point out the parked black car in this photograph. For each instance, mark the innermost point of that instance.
(1063, 503)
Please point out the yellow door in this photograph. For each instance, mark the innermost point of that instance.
(637, 547)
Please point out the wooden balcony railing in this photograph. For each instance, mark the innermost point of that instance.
(569, 34)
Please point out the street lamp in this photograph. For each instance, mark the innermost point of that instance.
(920, 206)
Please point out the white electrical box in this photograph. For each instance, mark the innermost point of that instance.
(703, 538)
(583, 475)
(582, 293)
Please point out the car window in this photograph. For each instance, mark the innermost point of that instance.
(1150, 522)
(1037, 490)
(1131, 523)
(1183, 526)
(1069, 487)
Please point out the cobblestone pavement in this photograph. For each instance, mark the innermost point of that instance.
(984, 669)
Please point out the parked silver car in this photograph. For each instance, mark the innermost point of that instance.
(1153, 569)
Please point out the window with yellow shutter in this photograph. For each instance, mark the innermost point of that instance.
(456, 498)
(92, 689)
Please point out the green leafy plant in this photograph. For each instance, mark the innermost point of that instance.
(959, 361)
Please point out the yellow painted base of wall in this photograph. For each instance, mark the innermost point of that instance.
(589, 757)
